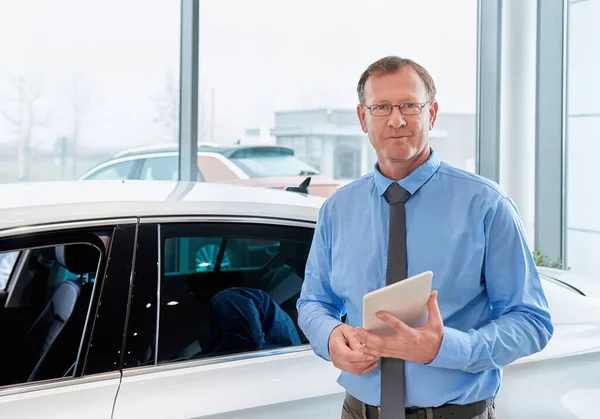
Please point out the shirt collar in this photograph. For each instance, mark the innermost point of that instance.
(412, 182)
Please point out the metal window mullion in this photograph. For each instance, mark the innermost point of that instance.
(550, 128)
(189, 90)
(489, 25)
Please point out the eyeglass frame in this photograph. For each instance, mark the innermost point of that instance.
(421, 105)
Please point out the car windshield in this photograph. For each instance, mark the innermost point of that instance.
(274, 165)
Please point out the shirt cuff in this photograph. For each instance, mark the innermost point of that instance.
(322, 346)
(455, 351)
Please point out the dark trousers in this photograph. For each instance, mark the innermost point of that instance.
(354, 409)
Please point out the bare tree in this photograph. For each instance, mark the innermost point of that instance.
(23, 114)
(81, 101)
(167, 109)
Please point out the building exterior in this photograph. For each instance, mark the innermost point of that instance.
(332, 140)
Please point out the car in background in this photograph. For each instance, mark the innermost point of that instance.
(107, 304)
(254, 165)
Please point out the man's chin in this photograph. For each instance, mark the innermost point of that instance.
(401, 157)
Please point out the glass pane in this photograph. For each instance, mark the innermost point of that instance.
(160, 168)
(206, 254)
(249, 253)
(301, 70)
(7, 264)
(192, 254)
(80, 83)
(275, 166)
(117, 171)
(55, 290)
(202, 254)
(223, 295)
(583, 126)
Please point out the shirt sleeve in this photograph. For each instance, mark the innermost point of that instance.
(522, 324)
(319, 308)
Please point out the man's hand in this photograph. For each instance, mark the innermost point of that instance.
(419, 345)
(344, 352)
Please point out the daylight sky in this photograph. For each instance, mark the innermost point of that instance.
(256, 57)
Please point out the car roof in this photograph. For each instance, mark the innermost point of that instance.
(37, 203)
(226, 150)
(158, 148)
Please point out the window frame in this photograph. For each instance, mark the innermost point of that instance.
(105, 236)
(159, 228)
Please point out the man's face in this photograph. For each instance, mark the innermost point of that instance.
(397, 137)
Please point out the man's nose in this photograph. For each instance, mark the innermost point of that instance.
(396, 119)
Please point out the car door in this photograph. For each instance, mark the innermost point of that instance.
(62, 318)
(192, 346)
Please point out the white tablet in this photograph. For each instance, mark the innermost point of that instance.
(407, 300)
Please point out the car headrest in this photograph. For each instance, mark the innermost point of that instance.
(78, 258)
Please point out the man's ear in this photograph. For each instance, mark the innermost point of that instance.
(433, 110)
(362, 115)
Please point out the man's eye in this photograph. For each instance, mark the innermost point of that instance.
(409, 105)
(381, 107)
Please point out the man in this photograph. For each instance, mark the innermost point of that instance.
(487, 308)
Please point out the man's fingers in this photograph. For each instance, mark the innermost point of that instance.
(365, 349)
(369, 339)
(358, 356)
(435, 317)
(370, 367)
(345, 354)
(398, 325)
(355, 366)
(353, 341)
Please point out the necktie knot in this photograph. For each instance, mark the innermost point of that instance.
(396, 194)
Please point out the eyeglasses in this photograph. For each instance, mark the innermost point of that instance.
(385, 109)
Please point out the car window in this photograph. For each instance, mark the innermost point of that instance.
(207, 254)
(274, 165)
(7, 264)
(222, 289)
(43, 318)
(160, 168)
(117, 171)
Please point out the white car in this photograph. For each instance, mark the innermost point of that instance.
(106, 312)
(268, 166)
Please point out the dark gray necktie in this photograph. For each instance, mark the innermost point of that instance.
(392, 369)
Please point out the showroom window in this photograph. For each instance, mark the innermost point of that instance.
(297, 87)
(80, 82)
(582, 146)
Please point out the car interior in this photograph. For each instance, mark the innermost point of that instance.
(43, 311)
(215, 264)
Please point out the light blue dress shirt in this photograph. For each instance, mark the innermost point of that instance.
(467, 231)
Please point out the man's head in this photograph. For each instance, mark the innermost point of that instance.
(398, 134)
